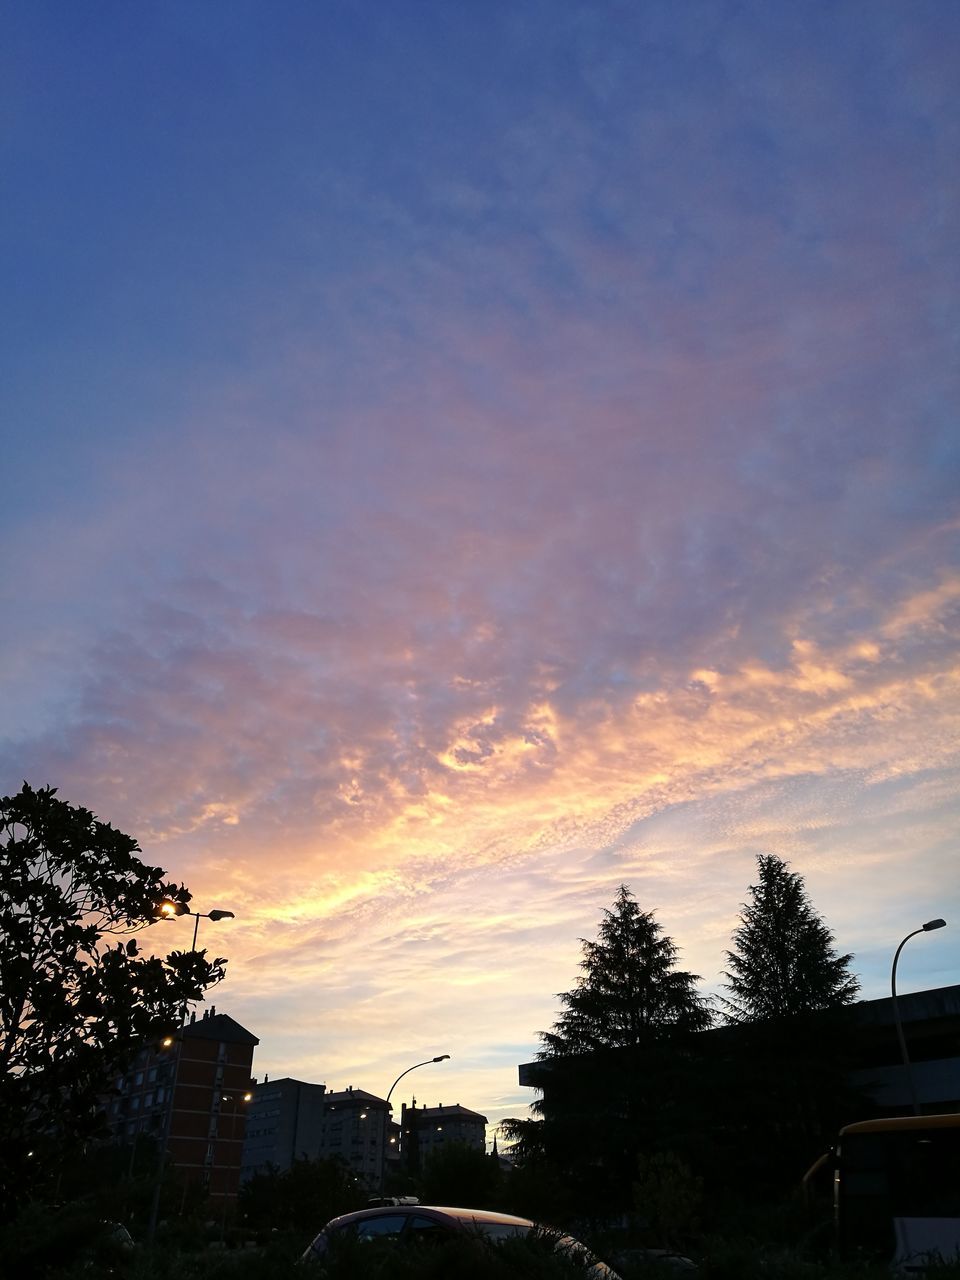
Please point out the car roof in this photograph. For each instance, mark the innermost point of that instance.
(431, 1210)
(482, 1215)
(900, 1124)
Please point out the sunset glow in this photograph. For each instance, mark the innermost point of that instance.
(462, 458)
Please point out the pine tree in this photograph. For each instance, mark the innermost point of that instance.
(630, 991)
(617, 1069)
(784, 962)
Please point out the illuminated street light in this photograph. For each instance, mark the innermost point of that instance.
(924, 928)
(169, 910)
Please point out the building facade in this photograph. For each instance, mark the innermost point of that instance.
(425, 1130)
(292, 1120)
(284, 1123)
(190, 1092)
(356, 1129)
(931, 1031)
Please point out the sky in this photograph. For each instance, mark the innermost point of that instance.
(462, 457)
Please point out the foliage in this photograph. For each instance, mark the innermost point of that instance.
(458, 1174)
(630, 991)
(784, 963)
(668, 1196)
(77, 997)
(541, 1189)
(77, 1238)
(467, 1256)
(302, 1198)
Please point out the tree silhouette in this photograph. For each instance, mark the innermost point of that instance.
(77, 999)
(617, 1069)
(784, 963)
(458, 1174)
(630, 991)
(302, 1197)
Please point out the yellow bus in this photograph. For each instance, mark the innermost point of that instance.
(896, 1190)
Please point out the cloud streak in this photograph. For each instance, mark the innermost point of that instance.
(561, 498)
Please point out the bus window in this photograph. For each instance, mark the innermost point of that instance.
(897, 1188)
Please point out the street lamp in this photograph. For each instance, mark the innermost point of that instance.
(924, 928)
(441, 1057)
(169, 910)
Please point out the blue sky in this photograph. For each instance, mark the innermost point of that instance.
(462, 457)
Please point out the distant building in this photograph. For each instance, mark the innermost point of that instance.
(291, 1120)
(428, 1129)
(357, 1129)
(284, 1123)
(192, 1090)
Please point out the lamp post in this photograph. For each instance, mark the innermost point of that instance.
(169, 910)
(924, 928)
(442, 1057)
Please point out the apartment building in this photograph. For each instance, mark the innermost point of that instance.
(191, 1091)
(428, 1129)
(284, 1123)
(357, 1129)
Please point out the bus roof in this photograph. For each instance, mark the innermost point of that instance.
(903, 1124)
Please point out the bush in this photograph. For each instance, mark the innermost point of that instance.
(470, 1257)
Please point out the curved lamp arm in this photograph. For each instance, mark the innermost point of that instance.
(441, 1058)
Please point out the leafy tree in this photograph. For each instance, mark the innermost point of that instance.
(458, 1174)
(301, 1198)
(77, 997)
(668, 1198)
(630, 991)
(784, 963)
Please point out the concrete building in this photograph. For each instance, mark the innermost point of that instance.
(428, 1129)
(357, 1129)
(192, 1090)
(284, 1123)
(931, 1028)
(931, 1031)
(291, 1120)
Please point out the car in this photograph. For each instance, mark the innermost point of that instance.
(412, 1224)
